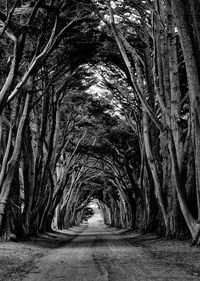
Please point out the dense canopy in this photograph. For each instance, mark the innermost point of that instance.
(100, 100)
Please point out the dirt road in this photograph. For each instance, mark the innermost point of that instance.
(101, 254)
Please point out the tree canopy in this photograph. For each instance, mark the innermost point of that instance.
(99, 100)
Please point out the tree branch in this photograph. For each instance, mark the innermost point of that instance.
(14, 27)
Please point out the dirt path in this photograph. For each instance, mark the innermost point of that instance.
(104, 254)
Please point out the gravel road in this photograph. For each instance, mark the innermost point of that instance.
(99, 253)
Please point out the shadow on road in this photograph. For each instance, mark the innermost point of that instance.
(102, 233)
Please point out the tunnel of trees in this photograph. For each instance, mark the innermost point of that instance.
(100, 100)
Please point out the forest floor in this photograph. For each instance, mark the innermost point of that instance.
(26, 260)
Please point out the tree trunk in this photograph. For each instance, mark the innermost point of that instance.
(155, 175)
(193, 84)
(12, 165)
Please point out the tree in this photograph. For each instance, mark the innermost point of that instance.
(100, 99)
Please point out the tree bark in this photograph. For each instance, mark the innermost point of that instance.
(12, 165)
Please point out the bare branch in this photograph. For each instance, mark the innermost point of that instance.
(8, 23)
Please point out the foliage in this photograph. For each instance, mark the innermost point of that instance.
(99, 100)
